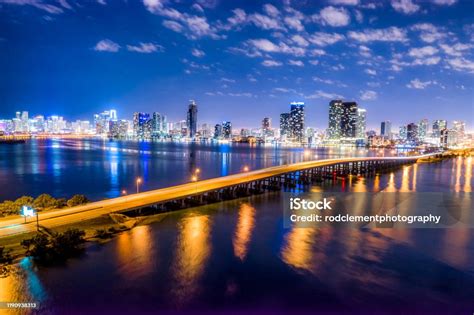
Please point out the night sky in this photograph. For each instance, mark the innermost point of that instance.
(402, 60)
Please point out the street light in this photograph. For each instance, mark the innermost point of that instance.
(246, 168)
(139, 180)
(197, 171)
(124, 192)
(29, 212)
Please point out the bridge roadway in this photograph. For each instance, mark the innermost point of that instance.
(54, 218)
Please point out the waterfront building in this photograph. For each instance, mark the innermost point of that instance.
(297, 121)
(459, 127)
(158, 125)
(285, 125)
(102, 121)
(361, 123)
(402, 134)
(412, 133)
(227, 130)
(191, 121)
(423, 129)
(335, 116)
(140, 126)
(218, 131)
(118, 129)
(386, 129)
(439, 125)
(266, 127)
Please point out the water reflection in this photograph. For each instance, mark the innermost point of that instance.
(136, 252)
(243, 231)
(297, 250)
(192, 252)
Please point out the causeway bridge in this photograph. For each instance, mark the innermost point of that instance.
(215, 189)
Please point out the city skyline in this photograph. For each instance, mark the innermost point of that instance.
(397, 59)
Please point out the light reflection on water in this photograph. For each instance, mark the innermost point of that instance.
(190, 259)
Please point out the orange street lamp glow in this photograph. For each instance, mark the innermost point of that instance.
(124, 192)
(246, 168)
(197, 171)
(194, 178)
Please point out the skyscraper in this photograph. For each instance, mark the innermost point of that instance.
(266, 126)
(386, 129)
(412, 132)
(423, 129)
(297, 121)
(191, 121)
(335, 116)
(158, 125)
(285, 124)
(217, 131)
(439, 125)
(361, 123)
(140, 125)
(227, 130)
(349, 119)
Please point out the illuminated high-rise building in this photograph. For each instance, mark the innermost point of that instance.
(191, 121)
(227, 130)
(266, 126)
(386, 129)
(336, 111)
(297, 121)
(423, 129)
(459, 127)
(141, 125)
(412, 132)
(349, 120)
(218, 131)
(439, 125)
(361, 123)
(285, 124)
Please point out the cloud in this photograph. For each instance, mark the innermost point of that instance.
(268, 46)
(322, 94)
(333, 16)
(39, 4)
(107, 45)
(294, 23)
(370, 71)
(428, 32)
(192, 26)
(326, 81)
(368, 95)
(271, 63)
(198, 53)
(405, 6)
(461, 64)
(300, 40)
(271, 10)
(102, 2)
(391, 34)
(419, 85)
(344, 2)
(174, 26)
(265, 22)
(324, 39)
(456, 49)
(365, 51)
(228, 80)
(297, 63)
(444, 2)
(422, 52)
(284, 90)
(246, 94)
(426, 61)
(146, 48)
